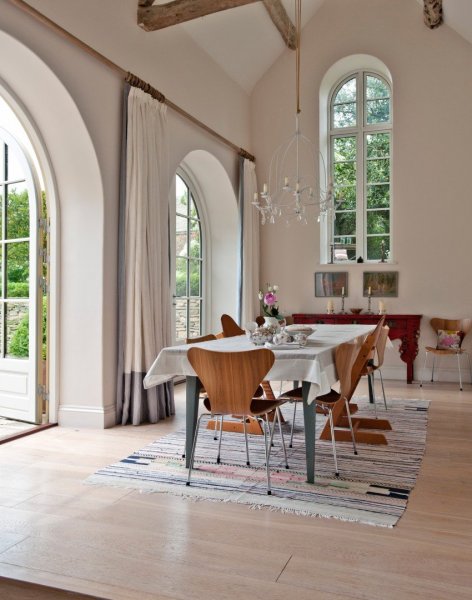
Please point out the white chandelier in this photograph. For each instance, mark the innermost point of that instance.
(288, 193)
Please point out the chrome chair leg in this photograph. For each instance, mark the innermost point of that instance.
(215, 430)
(383, 389)
(192, 457)
(279, 419)
(293, 420)
(218, 458)
(424, 369)
(372, 386)
(432, 372)
(348, 412)
(459, 366)
(246, 440)
(333, 441)
(265, 424)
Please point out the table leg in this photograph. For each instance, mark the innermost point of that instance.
(192, 390)
(309, 416)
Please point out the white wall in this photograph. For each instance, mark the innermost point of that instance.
(65, 90)
(432, 158)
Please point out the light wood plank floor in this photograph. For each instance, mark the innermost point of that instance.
(121, 544)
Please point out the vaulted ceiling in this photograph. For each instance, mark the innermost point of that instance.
(245, 43)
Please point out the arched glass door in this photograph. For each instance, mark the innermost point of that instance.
(20, 303)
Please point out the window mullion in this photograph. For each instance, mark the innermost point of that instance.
(360, 179)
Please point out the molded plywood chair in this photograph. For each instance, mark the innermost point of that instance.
(230, 327)
(345, 358)
(450, 335)
(231, 379)
(375, 364)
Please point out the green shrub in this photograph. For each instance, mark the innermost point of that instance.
(19, 343)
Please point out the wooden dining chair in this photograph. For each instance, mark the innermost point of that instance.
(231, 379)
(374, 365)
(230, 327)
(450, 335)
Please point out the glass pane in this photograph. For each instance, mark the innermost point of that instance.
(180, 319)
(195, 318)
(374, 247)
(345, 198)
(181, 236)
(181, 196)
(14, 169)
(344, 148)
(193, 208)
(378, 170)
(181, 277)
(1, 329)
(17, 330)
(17, 259)
(378, 221)
(1, 273)
(345, 173)
(345, 248)
(17, 212)
(378, 111)
(344, 115)
(378, 196)
(376, 88)
(2, 192)
(195, 247)
(195, 278)
(378, 145)
(347, 93)
(345, 224)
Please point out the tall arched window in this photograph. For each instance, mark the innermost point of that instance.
(188, 263)
(360, 142)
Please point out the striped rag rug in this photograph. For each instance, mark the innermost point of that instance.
(373, 487)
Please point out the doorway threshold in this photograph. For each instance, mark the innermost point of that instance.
(11, 430)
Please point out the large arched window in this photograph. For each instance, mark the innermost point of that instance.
(188, 298)
(360, 143)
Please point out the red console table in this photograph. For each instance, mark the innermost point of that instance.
(402, 327)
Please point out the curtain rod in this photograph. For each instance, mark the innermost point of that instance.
(129, 77)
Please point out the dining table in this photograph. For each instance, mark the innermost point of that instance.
(312, 364)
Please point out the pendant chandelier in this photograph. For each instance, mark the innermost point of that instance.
(289, 193)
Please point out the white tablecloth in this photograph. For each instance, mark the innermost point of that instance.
(313, 363)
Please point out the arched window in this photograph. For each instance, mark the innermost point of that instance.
(188, 298)
(360, 150)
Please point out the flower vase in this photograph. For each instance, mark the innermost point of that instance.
(272, 322)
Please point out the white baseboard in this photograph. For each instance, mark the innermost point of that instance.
(89, 417)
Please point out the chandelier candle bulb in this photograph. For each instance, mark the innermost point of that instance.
(264, 188)
(286, 181)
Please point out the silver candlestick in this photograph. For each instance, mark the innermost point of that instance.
(369, 305)
(342, 311)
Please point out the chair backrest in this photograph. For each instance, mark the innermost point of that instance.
(260, 321)
(345, 357)
(451, 324)
(363, 356)
(381, 343)
(230, 327)
(202, 338)
(231, 378)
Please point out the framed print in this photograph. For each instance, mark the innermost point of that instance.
(381, 284)
(331, 284)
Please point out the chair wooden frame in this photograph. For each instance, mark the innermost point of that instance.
(463, 325)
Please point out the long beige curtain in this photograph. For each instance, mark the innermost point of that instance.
(249, 243)
(144, 312)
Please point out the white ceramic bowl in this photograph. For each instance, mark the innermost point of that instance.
(294, 329)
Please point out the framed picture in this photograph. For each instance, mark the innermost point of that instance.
(331, 284)
(382, 284)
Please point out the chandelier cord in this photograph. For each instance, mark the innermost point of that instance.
(298, 12)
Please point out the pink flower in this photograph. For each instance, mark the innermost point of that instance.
(270, 298)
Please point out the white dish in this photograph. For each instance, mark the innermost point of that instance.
(294, 329)
(272, 346)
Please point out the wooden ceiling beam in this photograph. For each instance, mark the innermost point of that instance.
(159, 16)
(281, 20)
(432, 11)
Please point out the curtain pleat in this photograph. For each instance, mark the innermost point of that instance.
(144, 312)
(248, 305)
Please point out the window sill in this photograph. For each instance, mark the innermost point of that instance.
(369, 263)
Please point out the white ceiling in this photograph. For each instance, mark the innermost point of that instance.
(245, 43)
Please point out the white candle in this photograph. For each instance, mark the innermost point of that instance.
(286, 181)
(381, 306)
(256, 197)
(264, 188)
(342, 291)
(369, 292)
(330, 305)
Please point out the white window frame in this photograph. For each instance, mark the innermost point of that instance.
(358, 66)
(186, 175)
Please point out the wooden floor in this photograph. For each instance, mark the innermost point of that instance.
(119, 544)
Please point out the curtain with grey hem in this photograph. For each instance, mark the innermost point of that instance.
(248, 267)
(143, 259)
